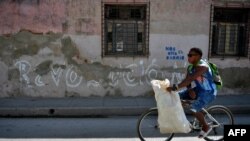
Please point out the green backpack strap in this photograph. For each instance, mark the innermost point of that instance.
(189, 68)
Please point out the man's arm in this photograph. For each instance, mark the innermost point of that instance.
(199, 71)
(188, 86)
(189, 78)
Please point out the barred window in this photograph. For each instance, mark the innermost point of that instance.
(229, 32)
(125, 30)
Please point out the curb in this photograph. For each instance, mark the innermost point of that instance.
(72, 112)
(239, 109)
(91, 111)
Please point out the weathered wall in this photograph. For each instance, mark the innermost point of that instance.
(51, 48)
(34, 15)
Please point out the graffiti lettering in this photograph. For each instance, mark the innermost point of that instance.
(24, 68)
(93, 83)
(114, 78)
(177, 77)
(174, 54)
(72, 79)
(147, 74)
(128, 76)
(38, 81)
(136, 74)
(56, 74)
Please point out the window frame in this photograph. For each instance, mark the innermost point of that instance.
(245, 50)
(104, 36)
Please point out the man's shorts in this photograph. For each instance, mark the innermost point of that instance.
(203, 98)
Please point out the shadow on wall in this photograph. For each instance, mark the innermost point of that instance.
(236, 79)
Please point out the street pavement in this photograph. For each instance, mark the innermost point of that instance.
(114, 128)
(109, 139)
(90, 119)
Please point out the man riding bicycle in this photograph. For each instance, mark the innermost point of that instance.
(200, 87)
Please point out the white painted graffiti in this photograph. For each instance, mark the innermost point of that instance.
(128, 77)
(72, 79)
(94, 83)
(56, 74)
(145, 74)
(177, 77)
(132, 75)
(24, 68)
(38, 81)
(114, 78)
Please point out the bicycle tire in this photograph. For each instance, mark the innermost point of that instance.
(145, 114)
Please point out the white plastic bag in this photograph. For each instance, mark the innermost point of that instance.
(171, 116)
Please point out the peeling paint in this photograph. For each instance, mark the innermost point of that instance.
(69, 50)
(24, 43)
(44, 67)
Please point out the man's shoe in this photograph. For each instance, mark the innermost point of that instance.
(203, 134)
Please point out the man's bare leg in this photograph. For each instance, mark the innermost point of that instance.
(201, 119)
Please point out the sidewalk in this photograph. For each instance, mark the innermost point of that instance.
(97, 106)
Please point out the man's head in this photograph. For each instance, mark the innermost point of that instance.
(194, 55)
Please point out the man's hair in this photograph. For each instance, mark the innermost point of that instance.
(196, 50)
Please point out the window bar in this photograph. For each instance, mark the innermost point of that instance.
(114, 39)
(248, 35)
(225, 36)
(125, 45)
(239, 47)
(102, 32)
(136, 39)
(211, 31)
(147, 24)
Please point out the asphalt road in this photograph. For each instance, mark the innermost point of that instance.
(88, 129)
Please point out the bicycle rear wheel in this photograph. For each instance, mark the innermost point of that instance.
(147, 126)
(224, 116)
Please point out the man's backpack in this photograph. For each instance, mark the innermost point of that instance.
(215, 73)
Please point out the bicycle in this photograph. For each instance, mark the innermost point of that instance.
(147, 125)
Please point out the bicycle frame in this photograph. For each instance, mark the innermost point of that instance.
(211, 117)
(187, 103)
(195, 122)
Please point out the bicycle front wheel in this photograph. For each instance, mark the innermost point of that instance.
(223, 116)
(147, 127)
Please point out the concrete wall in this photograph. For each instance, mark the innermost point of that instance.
(51, 48)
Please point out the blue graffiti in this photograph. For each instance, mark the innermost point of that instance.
(174, 54)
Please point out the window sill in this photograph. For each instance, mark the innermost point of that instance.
(126, 56)
(229, 57)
